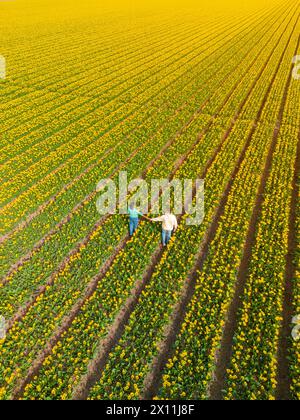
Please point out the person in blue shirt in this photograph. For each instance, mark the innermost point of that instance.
(134, 215)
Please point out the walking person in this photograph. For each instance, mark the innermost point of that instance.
(169, 226)
(134, 216)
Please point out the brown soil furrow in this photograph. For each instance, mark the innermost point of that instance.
(92, 286)
(117, 329)
(115, 332)
(22, 312)
(66, 323)
(88, 197)
(79, 205)
(283, 377)
(97, 364)
(31, 216)
(65, 220)
(129, 305)
(225, 352)
(152, 382)
(52, 199)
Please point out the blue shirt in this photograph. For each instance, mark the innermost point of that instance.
(134, 214)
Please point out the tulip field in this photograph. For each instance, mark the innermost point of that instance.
(161, 90)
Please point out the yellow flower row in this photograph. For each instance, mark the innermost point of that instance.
(202, 329)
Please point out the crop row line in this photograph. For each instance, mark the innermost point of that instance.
(212, 233)
(141, 354)
(224, 104)
(230, 327)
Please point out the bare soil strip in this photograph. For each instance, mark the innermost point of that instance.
(98, 363)
(125, 312)
(52, 199)
(225, 352)
(40, 243)
(153, 381)
(21, 313)
(65, 324)
(284, 378)
(120, 321)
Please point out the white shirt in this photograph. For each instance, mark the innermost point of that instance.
(169, 221)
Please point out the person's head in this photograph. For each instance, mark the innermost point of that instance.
(131, 205)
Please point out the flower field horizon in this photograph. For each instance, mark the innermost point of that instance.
(161, 90)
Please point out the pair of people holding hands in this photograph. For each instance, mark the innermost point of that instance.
(168, 220)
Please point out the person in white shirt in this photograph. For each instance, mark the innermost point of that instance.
(169, 226)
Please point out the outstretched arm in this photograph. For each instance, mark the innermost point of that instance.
(158, 219)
